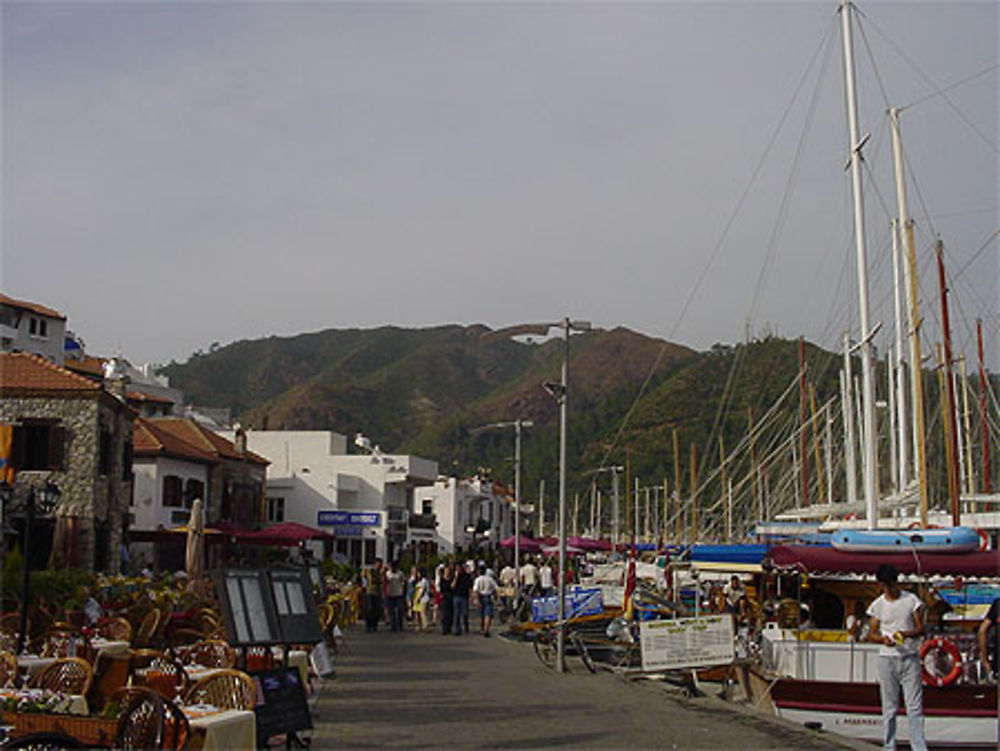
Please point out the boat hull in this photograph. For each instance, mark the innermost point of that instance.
(958, 716)
(949, 540)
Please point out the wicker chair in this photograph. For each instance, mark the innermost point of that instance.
(163, 675)
(8, 669)
(115, 629)
(211, 654)
(227, 689)
(56, 643)
(176, 728)
(144, 634)
(70, 675)
(140, 725)
(141, 658)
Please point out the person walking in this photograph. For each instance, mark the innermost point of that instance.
(545, 579)
(421, 598)
(372, 582)
(989, 646)
(395, 591)
(447, 599)
(485, 588)
(461, 585)
(529, 577)
(897, 622)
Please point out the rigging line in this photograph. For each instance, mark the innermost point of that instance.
(961, 82)
(718, 246)
(871, 59)
(962, 116)
(975, 256)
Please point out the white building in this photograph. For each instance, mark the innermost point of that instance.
(365, 500)
(29, 327)
(470, 513)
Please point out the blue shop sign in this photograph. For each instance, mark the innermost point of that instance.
(348, 518)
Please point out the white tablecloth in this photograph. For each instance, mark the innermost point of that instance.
(33, 664)
(76, 704)
(107, 647)
(232, 730)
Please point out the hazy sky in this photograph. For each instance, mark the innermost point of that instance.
(184, 173)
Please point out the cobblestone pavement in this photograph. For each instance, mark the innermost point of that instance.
(410, 690)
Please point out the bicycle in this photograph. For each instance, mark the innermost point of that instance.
(546, 647)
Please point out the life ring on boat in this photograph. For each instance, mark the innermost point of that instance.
(984, 540)
(948, 647)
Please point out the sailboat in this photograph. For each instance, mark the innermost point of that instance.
(826, 679)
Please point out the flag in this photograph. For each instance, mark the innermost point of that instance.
(6, 454)
(629, 585)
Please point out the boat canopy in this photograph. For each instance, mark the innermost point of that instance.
(821, 560)
(727, 553)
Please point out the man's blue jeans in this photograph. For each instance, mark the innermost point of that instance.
(461, 613)
(895, 673)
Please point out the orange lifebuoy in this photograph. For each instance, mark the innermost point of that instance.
(948, 647)
(984, 540)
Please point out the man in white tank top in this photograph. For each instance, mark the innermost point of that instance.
(897, 624)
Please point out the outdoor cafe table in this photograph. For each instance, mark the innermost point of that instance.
(32, 664)
(76, 704)
(212, 730)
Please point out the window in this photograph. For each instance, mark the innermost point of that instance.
(276, 509)
(105, 452)
(127, 460)
(427, 507)
(193, 489)
(173, 491)
(38, 445)
(38, 327)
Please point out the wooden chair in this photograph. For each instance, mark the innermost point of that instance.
(140, 725)
(111, 672)
(144, 634)
(141, 658)
(115, 629)
(8, 669)
(56, 643)
(70, 675)
(227, 689)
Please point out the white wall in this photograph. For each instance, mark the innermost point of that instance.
(50, 346)
(147, 496)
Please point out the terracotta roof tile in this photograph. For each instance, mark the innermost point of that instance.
(148, 438)
(90, 365)
(138, 396)
(204, 439)
(33, 307)
(23, 371)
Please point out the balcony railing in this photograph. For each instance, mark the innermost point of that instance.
(423, 521)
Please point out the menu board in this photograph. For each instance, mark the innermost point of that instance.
(281, 703)
(295, 606)
(248, 607)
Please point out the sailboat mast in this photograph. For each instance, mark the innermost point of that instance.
(899, 369)
(949, 385)
(846, 400)
(984, 430)
(912, 318)
(867, 376)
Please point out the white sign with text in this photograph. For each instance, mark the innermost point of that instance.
(686, 642)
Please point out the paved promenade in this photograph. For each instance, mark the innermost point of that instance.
(412, 690)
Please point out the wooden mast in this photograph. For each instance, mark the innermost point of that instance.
(949, 385)
(983, 427)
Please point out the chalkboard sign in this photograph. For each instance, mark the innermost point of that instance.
(248, 607)
(281, 704)
(295, 606)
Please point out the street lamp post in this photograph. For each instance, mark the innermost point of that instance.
(47, 498)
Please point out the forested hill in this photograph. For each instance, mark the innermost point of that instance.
(421, 391)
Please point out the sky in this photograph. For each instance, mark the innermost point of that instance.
(180, 174)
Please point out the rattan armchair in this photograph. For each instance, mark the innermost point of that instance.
(140, 725)
(70, 675)
(144, 634)
(115, 629)
(163, 675)
(213, 653)
(176, 727)
(227, 689)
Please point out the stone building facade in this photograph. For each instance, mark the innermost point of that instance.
(74, 433)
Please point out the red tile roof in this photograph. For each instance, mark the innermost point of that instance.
(33, 307)
(204, 439)
(148, 438)
(138, 396)
(93, 366)
(25, 372)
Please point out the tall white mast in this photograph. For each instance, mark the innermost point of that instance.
(900, 367)
(847, 406)
(912, 321)
(867, 378)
